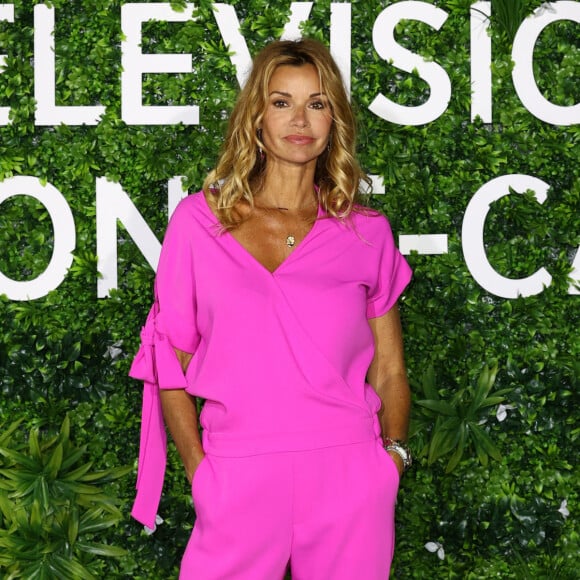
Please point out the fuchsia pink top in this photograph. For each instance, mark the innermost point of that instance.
(280, 358)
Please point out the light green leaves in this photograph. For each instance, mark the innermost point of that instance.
(459, 420)
(52, 506)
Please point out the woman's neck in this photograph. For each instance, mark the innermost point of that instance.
(289, 191)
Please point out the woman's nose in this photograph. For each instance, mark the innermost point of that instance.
(300, 119)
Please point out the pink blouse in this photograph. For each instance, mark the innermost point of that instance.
(280, 358)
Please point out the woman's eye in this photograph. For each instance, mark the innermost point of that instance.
(280, 104)
(319, 105)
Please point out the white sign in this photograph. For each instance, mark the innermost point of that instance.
(135, 63)
(63, 226)
(115, 206)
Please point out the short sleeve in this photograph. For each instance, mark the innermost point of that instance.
(175, 290)
(392, 272)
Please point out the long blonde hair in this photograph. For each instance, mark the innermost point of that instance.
(241, 165)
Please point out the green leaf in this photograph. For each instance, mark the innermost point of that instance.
(55, 462)
(64, 434)
(429, 384)
(20, 459)
(36, 517)
(442, 442)
(440, 407)
(483, 444)
(108, 474)
(102, 550)
(72, 456)
(72, 568)
(458, 453)
(78, 473)
(7, 434)
(484, 386)
(73, 526)
(34, 447)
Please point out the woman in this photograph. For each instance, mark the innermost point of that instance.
(276, 302)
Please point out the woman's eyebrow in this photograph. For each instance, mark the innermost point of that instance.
(284, 94)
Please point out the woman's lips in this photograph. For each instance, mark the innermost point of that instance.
(299, 139)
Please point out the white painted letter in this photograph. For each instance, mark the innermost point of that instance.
(135, 64)
(299, 13)
(523, 57)
(435, 76)
(47, 112)
(63, 226)
(481, 62)
(473, 236)
(6, 13)
(574, 287)
(114, 204)
(229, 26)
(340, 39)
(175, 193)
(423, 244)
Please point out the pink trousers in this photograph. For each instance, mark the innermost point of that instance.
(327, 512)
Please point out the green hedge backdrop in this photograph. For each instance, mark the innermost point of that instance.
(494, 492)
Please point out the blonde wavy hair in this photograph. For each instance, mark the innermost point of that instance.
(238, 174)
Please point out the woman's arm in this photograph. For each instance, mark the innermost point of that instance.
(180, 415)
(388, 375)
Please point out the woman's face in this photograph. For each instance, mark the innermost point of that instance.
(297, 121)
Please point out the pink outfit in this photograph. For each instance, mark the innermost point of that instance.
(329, 511)
(280, 358)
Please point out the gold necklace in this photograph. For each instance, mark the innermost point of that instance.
(290, 238)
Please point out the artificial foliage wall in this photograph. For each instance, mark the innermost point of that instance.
(469, 111)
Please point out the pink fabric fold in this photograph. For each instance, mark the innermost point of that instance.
(153, 440)
(167, 366)
(157, 365)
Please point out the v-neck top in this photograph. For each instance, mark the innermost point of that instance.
(280, 357)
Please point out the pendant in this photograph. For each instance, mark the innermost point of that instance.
(290, 241)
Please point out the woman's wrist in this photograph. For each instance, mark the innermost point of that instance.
(400, 451)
